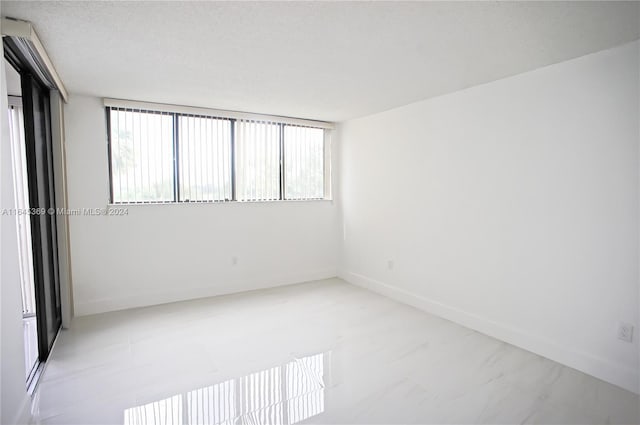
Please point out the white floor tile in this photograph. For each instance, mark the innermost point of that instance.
(322, 352)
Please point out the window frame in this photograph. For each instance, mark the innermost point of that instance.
(283, 188)
(175, 169)
(177, 164)
(184, 111)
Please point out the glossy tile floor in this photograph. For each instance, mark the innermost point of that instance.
(322, 352)
(29, 327)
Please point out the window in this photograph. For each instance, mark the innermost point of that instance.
(205, 159)
(303, 162)
(141, 145)
(257, 160)
(157, 155)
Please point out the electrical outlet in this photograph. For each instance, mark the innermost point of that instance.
(390, 264)
(625, 332)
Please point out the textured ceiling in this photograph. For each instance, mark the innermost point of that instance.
(319, 60)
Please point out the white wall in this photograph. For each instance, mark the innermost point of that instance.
(164, 253)
(510, 207)
(14, 407)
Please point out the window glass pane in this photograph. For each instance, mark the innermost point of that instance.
(303, 162)
(257, 161)
(141, 156)
(205, 158)
(216, 158)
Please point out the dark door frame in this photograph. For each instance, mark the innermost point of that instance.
(40, 177)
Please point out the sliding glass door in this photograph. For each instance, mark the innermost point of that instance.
(39, 155)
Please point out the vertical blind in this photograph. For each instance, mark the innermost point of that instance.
(257, 160)
(205, 158)
(141, 145)
(303, 162)
(21, 187)
(159, 156)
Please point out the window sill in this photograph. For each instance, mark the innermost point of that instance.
(277, 201)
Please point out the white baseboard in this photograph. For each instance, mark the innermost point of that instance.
(607, 371)
(183, 294)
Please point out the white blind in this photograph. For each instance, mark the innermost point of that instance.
(303, 162)
(159, 156)
(257, 161)
(21, 187)
(141, 156)
(205, 158)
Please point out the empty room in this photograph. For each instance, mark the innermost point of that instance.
(322, 212)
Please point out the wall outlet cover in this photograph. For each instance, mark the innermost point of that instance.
(625, 332)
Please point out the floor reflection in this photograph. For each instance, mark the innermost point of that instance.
(285, 394)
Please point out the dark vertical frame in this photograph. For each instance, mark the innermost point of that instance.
(176, 159)
(282, 177)
(233, 158)
(40, 178)
(36, 229)
(108, 112)
(53, 225)
(324, 164)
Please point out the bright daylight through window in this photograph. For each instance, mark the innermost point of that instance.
(160, 156)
